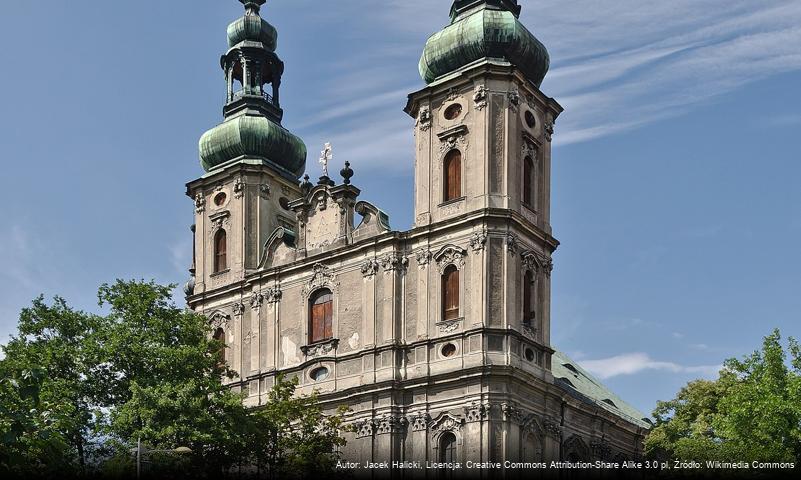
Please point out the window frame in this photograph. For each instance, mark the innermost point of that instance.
(220, 255)
(318, 333)
(451, 185)
(451, 292)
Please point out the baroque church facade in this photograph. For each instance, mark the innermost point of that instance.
(436, 338)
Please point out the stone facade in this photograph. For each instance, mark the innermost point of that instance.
(408, 375)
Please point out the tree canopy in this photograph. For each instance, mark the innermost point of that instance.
(752, 412)
(78, 390)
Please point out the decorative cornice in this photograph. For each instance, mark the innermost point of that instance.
(322, 277)
(452, 138)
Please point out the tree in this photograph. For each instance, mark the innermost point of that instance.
(752, 412)
(290, 436)
(47, 370)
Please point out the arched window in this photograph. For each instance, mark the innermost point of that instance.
(219, 335)
(529, 179)
(453, 175)
(529, 303)
(447, 448)
(321, 308)
(220, 249)
(450, 293)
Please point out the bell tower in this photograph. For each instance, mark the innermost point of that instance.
(483, 153)
(252, 162)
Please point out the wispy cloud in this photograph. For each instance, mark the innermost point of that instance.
(633, 363)
(618, 65)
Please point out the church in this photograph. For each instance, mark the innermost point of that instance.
(436, 338)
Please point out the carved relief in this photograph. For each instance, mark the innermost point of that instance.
(537, 262)
(419, 421)
(239, 188)
(200, 202)
(256, 299)
(511, 412)
(424, 120)
(480, 97)
(320, 349)
(478, 240)
(476, 412)
(322, 277)
(219, 320)
(423, 257)
(514, 98)
(601, 449)
(364, 428)
(391, 423)
(528, 149)
(448, 326)
(450, 255)
(394, 262)
(511, 243)
(446, 422)
(552, 427)
(264, 191)
(238, 309)
(369, 268)
(273, 295)
(548, 131)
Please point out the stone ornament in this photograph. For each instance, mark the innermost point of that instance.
(200, 202)
(528, 150)
(256, 300)
(548, 131)
(514, 98)
(423, 257)
(478, 240)
(476, 412)
(448, 326)
(264, 191)
(446, 422)
(552, 427)
(219, 320)
(391, 423)
(511, 243)
(424, 121)
(320, 349)
(419, 421)
(530, 332)
(238, 309)
(480, 97)
(369, 268)
(394, 262)
(450, 255)
(322, 277)
(239, 188)
(364, 428)
(601, 449)
(511, 412)
(273, 295)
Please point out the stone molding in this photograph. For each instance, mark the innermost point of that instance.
(449, 326)
(320, 348)
(322, 277)
(450, 255)
(446, 422)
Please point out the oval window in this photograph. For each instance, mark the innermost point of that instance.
(531, 120)
(319, 374)
(453, 111)
(220, 198)
(529, 355)
(449, 350)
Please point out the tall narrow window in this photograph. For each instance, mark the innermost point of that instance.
(528, 182)
(529, 305)
(450, 293)
(453, 175)
(321, 310)
(447, 448)
(220, 249)
(219, 335)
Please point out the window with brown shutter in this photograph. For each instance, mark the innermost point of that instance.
(220, 249)
(528, 182)
(450, 293)
(321, 312)
(453, 175)
(219, 335)
(529, 306)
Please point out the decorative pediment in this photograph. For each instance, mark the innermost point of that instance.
(219, 319)
(279, 246)
(446, 422)
(322, 277)
(450, 255)
(374, 221)
(452, 138)
(537, 262)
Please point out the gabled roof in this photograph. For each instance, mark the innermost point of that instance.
(570, 376)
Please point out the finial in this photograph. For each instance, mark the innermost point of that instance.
(325, 157)
(252, 7)
(346, 173)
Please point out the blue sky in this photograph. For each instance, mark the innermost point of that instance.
(676, 164)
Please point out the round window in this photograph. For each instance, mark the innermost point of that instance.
(453, 111)
(529, 355)
(448, 350)
(284, 202)
(319, 374)
(531, 120)
(220, 198)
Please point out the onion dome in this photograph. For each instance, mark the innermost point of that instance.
(251, 130)
(482, 29)
(252, 28)
(253, 136)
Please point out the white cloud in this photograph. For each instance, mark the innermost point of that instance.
(632, 363)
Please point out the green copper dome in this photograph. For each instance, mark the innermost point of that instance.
(252, 136)
(484, 29)
(255, 29)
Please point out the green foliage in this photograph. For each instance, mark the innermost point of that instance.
(78, 390)
(752, 412)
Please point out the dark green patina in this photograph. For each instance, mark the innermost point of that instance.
(252, 128)
(484, 29)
